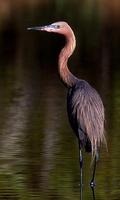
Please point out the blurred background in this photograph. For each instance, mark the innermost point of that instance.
(38, 150)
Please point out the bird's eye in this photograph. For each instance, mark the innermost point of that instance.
(57, 26)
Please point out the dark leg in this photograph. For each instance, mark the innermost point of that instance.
(81, 167)
(92, 183)
(81, 171)
(93, 192)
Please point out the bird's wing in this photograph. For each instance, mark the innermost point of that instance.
(88, 110)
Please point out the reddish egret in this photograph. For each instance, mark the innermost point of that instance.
(84, 105)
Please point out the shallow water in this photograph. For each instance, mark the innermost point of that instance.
(38, 149)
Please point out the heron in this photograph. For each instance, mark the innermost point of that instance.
(84, 105)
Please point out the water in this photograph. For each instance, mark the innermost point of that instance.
(38, 149)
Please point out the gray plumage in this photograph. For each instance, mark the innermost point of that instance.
(86, 115)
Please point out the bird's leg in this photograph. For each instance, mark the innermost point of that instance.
(81, 168)
(81, 171)
(93, 192)
(92, 183)
(81, 165)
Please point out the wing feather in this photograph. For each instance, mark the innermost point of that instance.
(88, 111)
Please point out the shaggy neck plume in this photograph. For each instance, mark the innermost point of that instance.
(67, 77)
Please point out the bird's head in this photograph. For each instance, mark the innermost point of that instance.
(57, 27)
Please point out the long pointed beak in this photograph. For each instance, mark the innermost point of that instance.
(37, 28)
(48, 28)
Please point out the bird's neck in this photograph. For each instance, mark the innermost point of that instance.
(67, 77)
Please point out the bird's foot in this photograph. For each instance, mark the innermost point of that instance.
(92, 184)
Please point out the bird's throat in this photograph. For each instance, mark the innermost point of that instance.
(67, 77)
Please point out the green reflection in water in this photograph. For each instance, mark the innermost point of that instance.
(39, 155)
